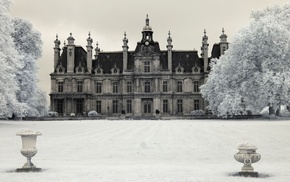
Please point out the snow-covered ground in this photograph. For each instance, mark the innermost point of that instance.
(177, 151)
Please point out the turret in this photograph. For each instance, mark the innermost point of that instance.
(56, 51)
(97, 50)
(204, 50)
(89, 52)
(70, 54)
(169, 52)
(125, 52)
(224, 45)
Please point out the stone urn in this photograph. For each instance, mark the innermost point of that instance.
(28, 149)
(247, 155)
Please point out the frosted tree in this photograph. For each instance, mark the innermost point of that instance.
(9, 64)
(255, 70)
(20, 47)
(28, 44)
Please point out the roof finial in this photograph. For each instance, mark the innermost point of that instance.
(70, 34)
(147, 20)
(97, 44)
(169, 33)
(56, 37)
(204, 32)
(89, 34)
(125, 34)
(223, 31)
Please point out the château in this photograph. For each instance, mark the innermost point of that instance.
(140, 82)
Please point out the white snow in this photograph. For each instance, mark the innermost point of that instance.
(175, 151)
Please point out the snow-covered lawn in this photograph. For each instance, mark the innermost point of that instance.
(150, 151)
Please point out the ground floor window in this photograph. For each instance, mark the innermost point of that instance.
(129, 106)
(59, 106)
(79, 103)
(147, 107)
(115, 106)
(196, 104)
(99, 106)
(179, 106)
(165, 106)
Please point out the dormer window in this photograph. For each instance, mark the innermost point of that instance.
(80, 70)
(115, 70)
(60, 69)
(179, 69)
(98, 70)
(196, 70)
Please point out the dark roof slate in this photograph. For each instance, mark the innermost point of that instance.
(80, 58)
(216, 51)
(186, 59)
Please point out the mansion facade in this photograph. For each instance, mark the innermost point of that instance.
(142, 82)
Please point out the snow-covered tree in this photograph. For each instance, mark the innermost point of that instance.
(20, 46)
(255, 70)
(9, 64)
(28, 44)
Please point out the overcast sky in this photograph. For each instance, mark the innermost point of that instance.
(108, 19)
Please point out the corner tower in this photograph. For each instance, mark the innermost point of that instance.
(224, 45)
(70, 54)
(56, 51)
(204, 50)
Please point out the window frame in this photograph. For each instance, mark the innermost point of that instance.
(165, 106)
(196, 86)
(129, 106)
(147, 66)
(165, 86)
(179, 86)
(60, 86)
(79, 86)
(115, 106)
(179, 106)
(115, 87)
(147, 86)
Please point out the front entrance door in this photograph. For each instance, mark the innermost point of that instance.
(147, 105)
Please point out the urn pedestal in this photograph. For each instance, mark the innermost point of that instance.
(28, 149)
(247, 155)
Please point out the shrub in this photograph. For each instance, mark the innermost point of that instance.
(52, 113)
(197, 113)
(93, 113)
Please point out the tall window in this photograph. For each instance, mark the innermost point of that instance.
(115, 87)
(196, 104)
(99, 106)
(98, 87)
(147, 86)
(165, 85)
(80, 86)
(79, 106)
(129, 106)
(179, 106)
(115, 106)
(146, 66)
(147, 107)
(179, 86)
(195, 86)
(59, 106)
(60, 86)
(165, 106)
(129, 87)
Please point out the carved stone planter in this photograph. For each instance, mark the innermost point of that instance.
(28, 149)
(247, 155)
